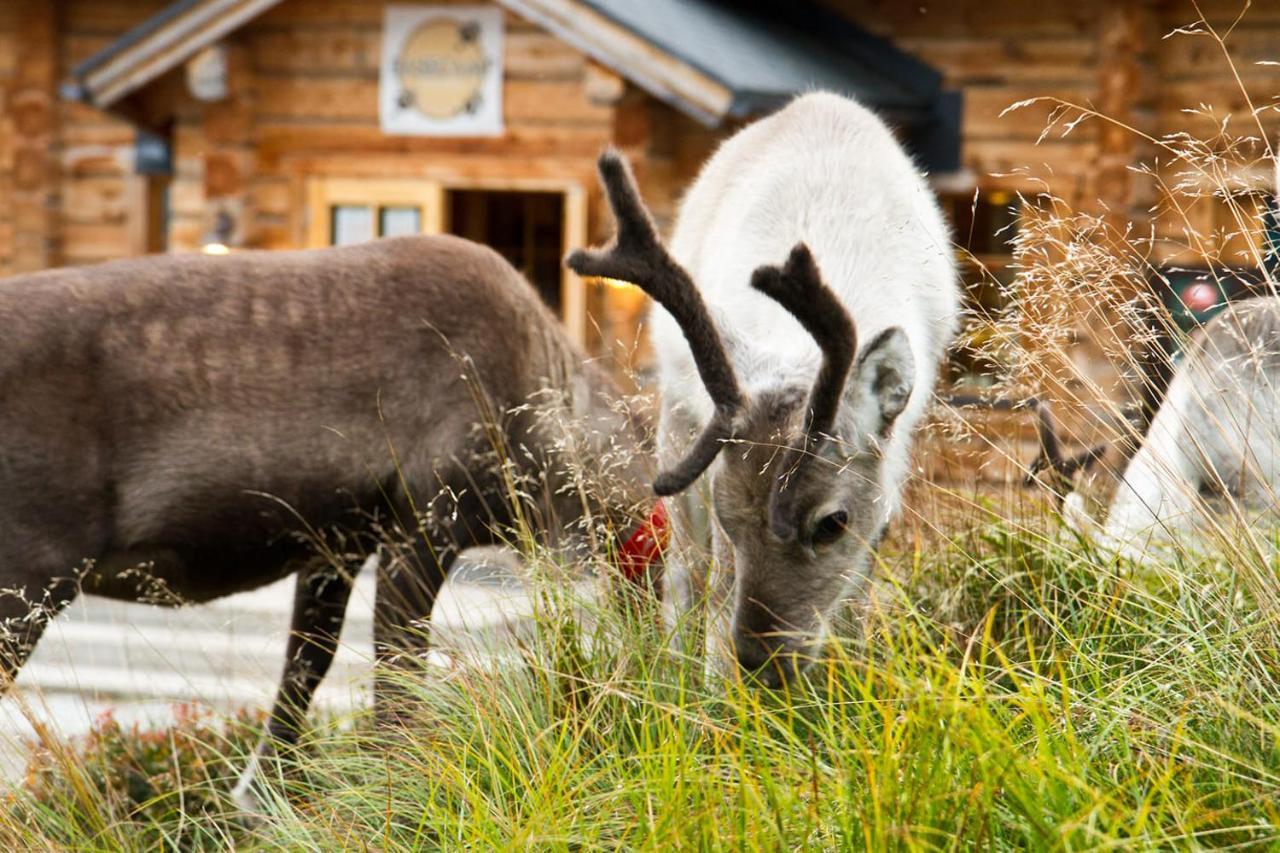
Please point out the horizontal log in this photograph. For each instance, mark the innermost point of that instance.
(450, 168)
(279, 139)
(1012, 60)
(105, 132)
(276, 236)
(98, 199)
(99, 240)
(1181, 57)
(186, 196)
(987, 113)
(994, 18)
(326, 51)
(88, 17)
(97, 160)
(75, 48)
(306, 13)
(271, 195)
(356, 99)
(185, 234)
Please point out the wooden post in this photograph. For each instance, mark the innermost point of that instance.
(1103, 352)
(33, 115)
(1127, 31)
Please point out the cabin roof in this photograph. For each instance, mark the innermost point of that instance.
(709, 58)
(157, 45)
(766, 52)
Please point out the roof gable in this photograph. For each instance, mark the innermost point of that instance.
(157, 45)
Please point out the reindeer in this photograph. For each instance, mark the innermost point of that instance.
(808, 296)
(1217, 432)
(179, 428)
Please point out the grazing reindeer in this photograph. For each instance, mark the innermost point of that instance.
(180, 428)
(806, 233)
(1217, 432)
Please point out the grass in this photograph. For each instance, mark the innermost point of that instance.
(1007, 688)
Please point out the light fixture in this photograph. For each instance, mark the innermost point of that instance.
(218, 240)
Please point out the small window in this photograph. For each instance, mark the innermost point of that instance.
(398, 221)
(345, 211)
(350, 223)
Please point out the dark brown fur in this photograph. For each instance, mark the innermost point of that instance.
(186, 427)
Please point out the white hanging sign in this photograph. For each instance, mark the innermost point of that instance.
(441, 71)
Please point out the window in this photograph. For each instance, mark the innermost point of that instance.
(347, 211)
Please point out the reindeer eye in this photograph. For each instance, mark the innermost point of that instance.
(830, 528)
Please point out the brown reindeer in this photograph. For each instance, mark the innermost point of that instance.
(176, 429)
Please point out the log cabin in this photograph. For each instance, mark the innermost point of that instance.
(137, 126)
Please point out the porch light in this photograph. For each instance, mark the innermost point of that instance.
(218, 240)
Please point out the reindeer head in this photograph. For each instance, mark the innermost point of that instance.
(797, 491)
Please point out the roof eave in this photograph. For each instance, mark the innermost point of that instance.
(661, 74)
(156, 46)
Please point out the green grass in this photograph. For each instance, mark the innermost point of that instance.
(1003, 689)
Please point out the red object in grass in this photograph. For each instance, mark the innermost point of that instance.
(645, 545)
(1200, 297)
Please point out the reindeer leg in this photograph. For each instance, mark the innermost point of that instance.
(24, 615)
(319, 607)
(39, 581)
(407, 591)
(1160, 486)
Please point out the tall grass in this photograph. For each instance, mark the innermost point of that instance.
(1005, 685)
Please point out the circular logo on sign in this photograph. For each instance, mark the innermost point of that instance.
(441, 69)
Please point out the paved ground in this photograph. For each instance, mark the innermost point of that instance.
(137, 660)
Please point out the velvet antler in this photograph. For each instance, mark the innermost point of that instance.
(1061, 470)
(798, 287)
(638, 256)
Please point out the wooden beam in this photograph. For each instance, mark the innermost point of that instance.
(32, 111)
(664, 76)
(165, 45)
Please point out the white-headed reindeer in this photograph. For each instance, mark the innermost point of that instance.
(1217, 432)
(806, 302)
(180, 428)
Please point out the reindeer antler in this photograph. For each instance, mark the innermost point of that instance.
(638, 256)
(1062, 470)
(798, 287)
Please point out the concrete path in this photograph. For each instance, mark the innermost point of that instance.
(137, 660)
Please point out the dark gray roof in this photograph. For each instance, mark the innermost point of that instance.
(766, 51)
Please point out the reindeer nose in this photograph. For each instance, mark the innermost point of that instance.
(763, 658)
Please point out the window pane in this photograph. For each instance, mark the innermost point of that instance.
(399, 220)
(351, 223)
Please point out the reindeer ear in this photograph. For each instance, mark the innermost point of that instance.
(881, 382)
